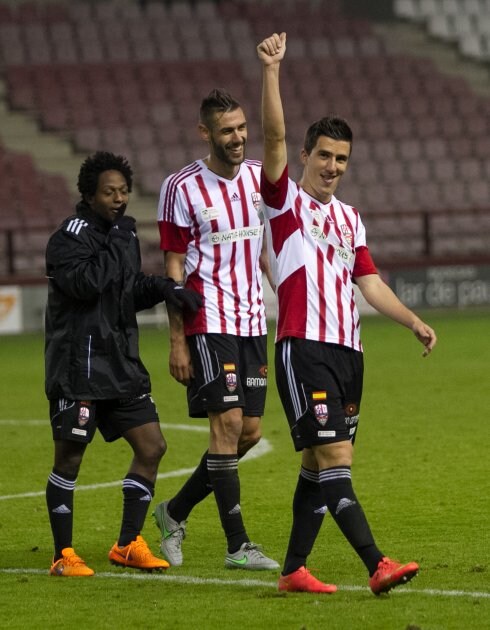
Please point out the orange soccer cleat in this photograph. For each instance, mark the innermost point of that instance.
(136, 555)
(70, 565)
(301, 581)
(390, 574)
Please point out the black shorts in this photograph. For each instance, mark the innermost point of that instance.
(320, 386)
(77, 420)
(229, 372)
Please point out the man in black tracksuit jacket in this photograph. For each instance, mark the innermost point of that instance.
(94, 374)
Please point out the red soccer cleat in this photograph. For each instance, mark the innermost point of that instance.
(390, 574)
(301, 581)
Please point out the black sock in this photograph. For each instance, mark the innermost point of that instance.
(138, 493)
(348, 514)
(308, 513)
(59, 500)
(223, 473)
(195, 489)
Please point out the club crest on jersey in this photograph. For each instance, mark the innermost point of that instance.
(347, 232)
(256, 199)
(321, 413)
(208, 214)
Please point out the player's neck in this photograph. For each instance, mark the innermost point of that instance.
(222, 169)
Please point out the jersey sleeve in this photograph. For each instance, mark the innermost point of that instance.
(173, 218)
(274, 195)
(364, 264)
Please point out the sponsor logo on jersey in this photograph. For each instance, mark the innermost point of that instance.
(318, 234)
(240, 234)
(235, 197)
(346, 231)
(321, 413)
(208, 214)
(319, 395)
(344, 254)
(231, 381)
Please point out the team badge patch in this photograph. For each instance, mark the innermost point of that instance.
(321, 413)
(83, 414)
(256, 198)
(231, 381)
(230, 376)
(346, 231)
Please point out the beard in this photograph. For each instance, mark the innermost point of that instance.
(222, 153)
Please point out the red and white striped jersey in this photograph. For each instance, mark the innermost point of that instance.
(315, 250)
(216, 223)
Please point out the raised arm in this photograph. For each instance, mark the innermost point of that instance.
(271, 51)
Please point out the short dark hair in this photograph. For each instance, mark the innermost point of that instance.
(96, 164)
(330, 126)
(217, 101)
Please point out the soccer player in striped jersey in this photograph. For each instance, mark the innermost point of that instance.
(317, 246)
(212, 237)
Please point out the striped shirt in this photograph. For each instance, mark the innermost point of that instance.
(215, 222)
(315, 250)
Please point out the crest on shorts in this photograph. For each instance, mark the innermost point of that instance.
(231, 381)
(321, 413)
(230, 376)
(83, 414)
(263, 371)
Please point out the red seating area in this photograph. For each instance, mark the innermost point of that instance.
(129, 76)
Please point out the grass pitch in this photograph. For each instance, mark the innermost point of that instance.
(420, 471)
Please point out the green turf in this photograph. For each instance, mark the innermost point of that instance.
(420, 471)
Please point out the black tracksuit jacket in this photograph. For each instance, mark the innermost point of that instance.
(95, 289)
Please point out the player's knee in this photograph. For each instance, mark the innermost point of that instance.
(154, 452)
(248, 441)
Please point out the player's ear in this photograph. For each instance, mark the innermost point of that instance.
(203, 132)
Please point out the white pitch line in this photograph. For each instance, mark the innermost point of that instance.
(187, 579)
(263, 447)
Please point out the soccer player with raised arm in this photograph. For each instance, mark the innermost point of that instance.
(317, 246)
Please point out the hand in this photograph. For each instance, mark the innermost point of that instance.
(177, 296)
(425, 335)
(123, 226)
(272, 49)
